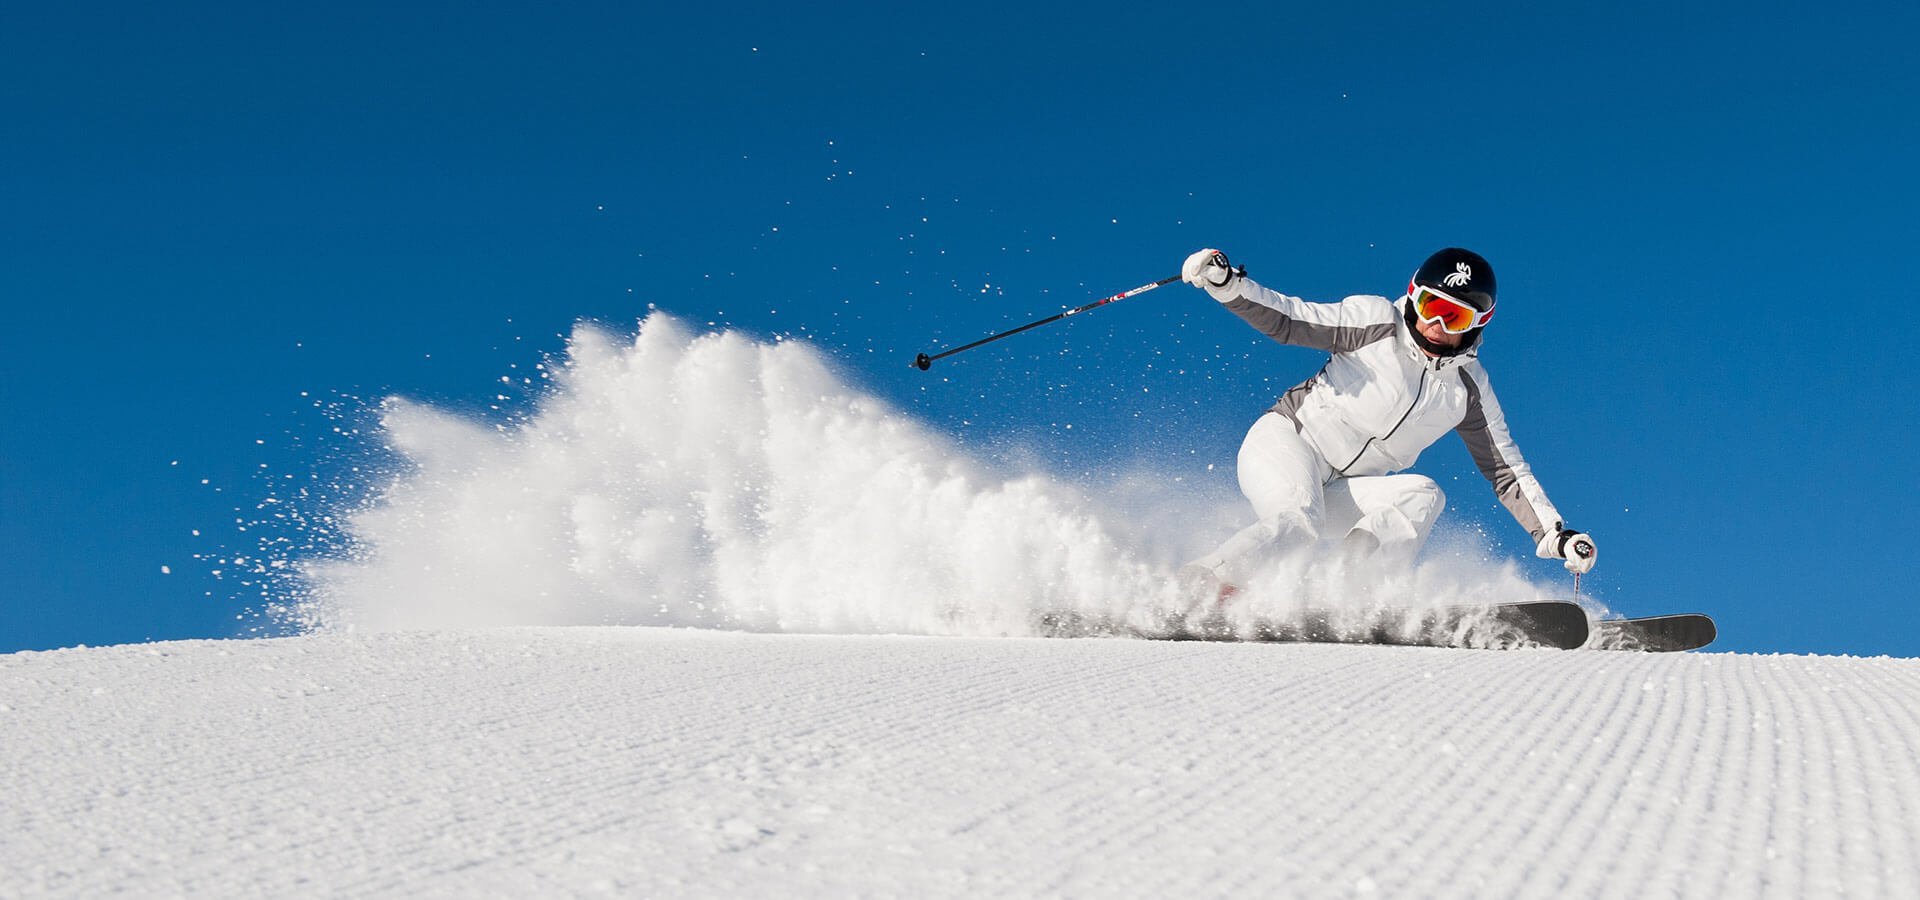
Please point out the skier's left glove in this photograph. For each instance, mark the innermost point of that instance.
(1575, 547)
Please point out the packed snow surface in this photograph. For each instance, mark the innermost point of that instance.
(709, 620)
(668, 762)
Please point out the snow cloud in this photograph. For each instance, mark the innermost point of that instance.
(712, 480)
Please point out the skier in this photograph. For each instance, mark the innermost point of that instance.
(1321, 462)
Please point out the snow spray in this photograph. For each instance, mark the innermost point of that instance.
(715, 480)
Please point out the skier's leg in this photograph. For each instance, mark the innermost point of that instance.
(1282, 475)
(1388, 514)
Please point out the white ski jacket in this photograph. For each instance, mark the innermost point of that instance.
(1381, 400)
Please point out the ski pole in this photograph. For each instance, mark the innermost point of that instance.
(923, 361)
(1583, 550)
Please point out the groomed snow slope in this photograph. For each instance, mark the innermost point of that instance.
(689, 762)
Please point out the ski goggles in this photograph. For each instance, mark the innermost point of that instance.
(1455, 316)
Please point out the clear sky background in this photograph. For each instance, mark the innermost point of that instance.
(218, 221)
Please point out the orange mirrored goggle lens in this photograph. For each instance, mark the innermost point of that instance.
(1454, 316)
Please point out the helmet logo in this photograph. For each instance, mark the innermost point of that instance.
(1461, 277)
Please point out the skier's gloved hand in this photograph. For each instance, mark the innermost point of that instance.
(1208, 269)
(1575, 547)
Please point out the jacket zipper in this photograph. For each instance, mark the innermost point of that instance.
(1417, 394)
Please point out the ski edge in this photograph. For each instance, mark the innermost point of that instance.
(1550, 624)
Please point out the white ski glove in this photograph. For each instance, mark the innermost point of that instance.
(1208, 269)
(1575, 547)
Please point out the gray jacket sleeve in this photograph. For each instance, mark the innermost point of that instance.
(1485, 430)
(1334, 327)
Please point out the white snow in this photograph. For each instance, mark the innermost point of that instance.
(680, 478)
(659, 762)
(484, 703)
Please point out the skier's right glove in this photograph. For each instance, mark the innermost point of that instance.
(1209, 269)
(1575, 547)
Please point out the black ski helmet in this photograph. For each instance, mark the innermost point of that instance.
(1461, 274)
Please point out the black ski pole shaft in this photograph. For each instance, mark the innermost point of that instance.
(923, 361)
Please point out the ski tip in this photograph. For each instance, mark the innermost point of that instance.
(1657, 634)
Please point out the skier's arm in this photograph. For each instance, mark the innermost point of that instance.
(1485, 430)
(1333, 327)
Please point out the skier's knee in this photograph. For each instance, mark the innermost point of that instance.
(1423, 501)
(1436, 501)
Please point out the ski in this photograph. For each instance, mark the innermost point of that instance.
(1654, 634)
(1544, 623)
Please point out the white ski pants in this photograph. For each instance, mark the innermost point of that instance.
(1297, 499)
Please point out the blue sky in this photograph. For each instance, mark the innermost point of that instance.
(220, 215)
